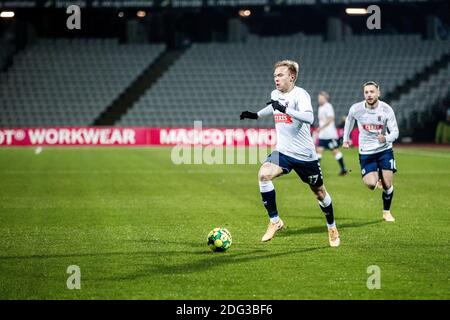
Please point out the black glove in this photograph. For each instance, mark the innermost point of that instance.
(248, 115)
(277, 106)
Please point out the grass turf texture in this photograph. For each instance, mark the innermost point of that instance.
(136, 225)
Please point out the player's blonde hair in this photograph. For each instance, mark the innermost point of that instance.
(293, 66)
(325, 94)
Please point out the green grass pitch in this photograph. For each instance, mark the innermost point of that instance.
(136, 225)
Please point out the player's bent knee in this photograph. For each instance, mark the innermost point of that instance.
(371, 180)
(387, 185)
(320, 193)
(264, 174)
(387, 182)
(371, 185)
(264, 177)
(267, 172)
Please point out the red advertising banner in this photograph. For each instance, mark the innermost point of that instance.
(138, 136)
(135, 136)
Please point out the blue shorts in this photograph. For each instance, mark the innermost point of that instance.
(308, 171)
(329, 144)
(383, 160)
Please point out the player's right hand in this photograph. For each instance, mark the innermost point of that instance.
(248, 115)
(345, 145)
(277, 106)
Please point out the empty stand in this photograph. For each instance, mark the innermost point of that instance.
(422, 98)
(69, 82)
(215, 82)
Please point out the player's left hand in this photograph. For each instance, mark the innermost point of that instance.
(381, 138)
(248, 115)
(277, 106)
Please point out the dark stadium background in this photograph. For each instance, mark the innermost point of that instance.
(79, 186)
(177, 25)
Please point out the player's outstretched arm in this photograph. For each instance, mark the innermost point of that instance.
(268, 110)
(248, 115)
(304, 115)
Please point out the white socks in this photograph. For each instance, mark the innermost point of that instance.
(338, 156)
(326, 201)
(275, 219)
(389, 191)
(266, 186)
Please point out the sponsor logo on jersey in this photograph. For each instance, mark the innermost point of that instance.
(372, 127)
(281, 117)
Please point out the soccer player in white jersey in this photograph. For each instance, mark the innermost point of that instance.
(291, 108)
(377, 131)
(328, 136)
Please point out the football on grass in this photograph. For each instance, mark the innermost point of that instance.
(219, 239)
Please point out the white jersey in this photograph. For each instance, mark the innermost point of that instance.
(371, 123)
(293, 127)
(329, 132)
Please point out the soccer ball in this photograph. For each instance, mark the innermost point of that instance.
(219, 239)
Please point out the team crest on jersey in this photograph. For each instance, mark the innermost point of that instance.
(379, 118)
(281, 117)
